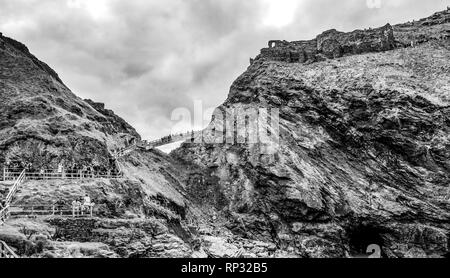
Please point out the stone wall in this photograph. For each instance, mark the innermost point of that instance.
(331, 44)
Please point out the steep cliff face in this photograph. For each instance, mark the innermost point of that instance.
(364, 147)
(42, 122)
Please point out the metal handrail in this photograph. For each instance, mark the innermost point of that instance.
(59, 176)
(174, 138)
(125, 151)
(13, 189)
(6, 251)
(4, 214)
(46, 209)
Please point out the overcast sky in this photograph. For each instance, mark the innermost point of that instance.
(145, 58)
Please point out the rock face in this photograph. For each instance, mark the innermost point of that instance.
(112, 123)
(38, 112)
(364, 147)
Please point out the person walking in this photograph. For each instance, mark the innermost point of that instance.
(6, 170)
(87, 204)
(83, 171)
(76, 208)
(60, 206)
(91, 172)
(41, 173)
(60, 170)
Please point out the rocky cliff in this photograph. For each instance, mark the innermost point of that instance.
(43, 123)
(364, 147)
(362, 156)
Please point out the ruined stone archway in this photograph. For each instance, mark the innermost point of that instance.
(273, 44)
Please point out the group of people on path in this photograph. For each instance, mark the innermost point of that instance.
(82, 205)
(75, 171)
(84, 171)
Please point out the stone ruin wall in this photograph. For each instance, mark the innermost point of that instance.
(333, 44)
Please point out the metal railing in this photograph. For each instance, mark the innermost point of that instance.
(5, 210)
(125, 151)
(13, 189)
(35, 210)
(13, 175)
(6, 252)
(165, 141)
(4, 214)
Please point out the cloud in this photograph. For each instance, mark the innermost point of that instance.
(145, 58)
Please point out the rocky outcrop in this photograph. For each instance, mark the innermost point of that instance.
(362, 156)
(20, 47)
(43, 123)
(127, 238)
(333, 44)
(435, 27)
(113, 124)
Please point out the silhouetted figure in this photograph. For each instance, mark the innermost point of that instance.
(41, 173)
(59, 205)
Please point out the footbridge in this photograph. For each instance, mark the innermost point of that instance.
(188, 136)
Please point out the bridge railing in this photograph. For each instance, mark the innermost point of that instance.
(6, 252)
(125, 151)
(164, 141)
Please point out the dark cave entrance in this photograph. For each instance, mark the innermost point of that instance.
(363, 236)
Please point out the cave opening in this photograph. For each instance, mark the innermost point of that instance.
(363, 238)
